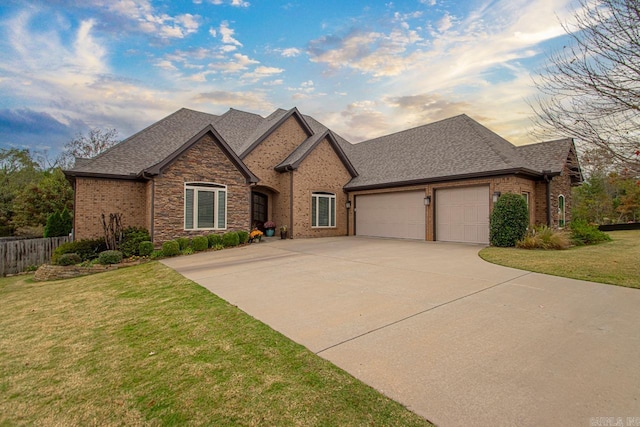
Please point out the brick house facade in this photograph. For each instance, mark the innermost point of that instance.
(234, 171)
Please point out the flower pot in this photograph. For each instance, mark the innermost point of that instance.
(283, 235)
(269, 232)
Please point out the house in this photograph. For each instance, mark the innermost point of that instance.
(194, 173)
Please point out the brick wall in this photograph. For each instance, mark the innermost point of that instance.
(203, 162)
(322, 171)
(95, 196)
(265, 157)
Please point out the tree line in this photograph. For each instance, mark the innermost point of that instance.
(32, 187)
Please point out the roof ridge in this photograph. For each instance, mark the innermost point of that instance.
(408, 130)
(473, 125)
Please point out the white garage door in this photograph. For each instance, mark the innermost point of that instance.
(399, 215)
(462, 214)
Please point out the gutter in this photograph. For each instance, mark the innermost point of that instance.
(290, 169)
(515, 171)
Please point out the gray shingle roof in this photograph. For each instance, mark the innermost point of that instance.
(547, 156)
(454, 147)
(147, 147)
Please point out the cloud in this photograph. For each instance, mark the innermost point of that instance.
(251, 100)
(262, 72)
(289, 52)
(444, 23)
(143, 16)
(28, 121)
(240, 3)
(227, 33)
(239, 63)
(359, 121)
(369, 52)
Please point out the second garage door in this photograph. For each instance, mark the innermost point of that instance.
(399, 215)
(462, 214)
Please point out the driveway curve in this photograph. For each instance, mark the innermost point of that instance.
(431, 325)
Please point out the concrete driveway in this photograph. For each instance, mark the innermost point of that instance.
(455, 339)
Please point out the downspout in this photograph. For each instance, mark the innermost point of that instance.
(153, 200)
(548, 180)
(349, 202)
(290, 169)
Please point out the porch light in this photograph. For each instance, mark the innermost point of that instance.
(427, 200)
(496, 196)
(348, 204)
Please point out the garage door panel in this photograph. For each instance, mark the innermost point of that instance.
(399, 215)
(462, 214)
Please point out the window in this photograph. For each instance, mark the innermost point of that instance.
(323, 210)
(561, 211)
(526, 198)
(205, 206)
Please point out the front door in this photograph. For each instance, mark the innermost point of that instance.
(259, 210)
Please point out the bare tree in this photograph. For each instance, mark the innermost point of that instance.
(591, 87)
(86, 146)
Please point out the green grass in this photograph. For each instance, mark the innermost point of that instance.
(614, 262)
(145, 346)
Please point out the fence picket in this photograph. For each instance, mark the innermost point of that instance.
(17, 255)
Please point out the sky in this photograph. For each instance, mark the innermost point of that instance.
(363, 68)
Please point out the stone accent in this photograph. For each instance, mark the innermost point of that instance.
(56, 272)
(95, 196)
(203, 162)
(322, 171)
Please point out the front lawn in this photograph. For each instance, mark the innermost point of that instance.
(145, 346)
(614, 262)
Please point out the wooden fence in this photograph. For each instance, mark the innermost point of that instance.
(18, 255)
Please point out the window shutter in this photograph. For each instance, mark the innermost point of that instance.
(222, 207)
(314, 210)
(333, 212)
(188, 209)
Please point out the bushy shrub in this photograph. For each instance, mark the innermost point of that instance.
(543, 237)
(183, 242)
(110, 257)
(187, 251)
(243, 236)
(170, 248)
(230, 239)
(509, 220)
(200, 243)
(69, 259)
(583, 233)
(218, 247)
(214, 239)
(145, 248)
(131, 238)
(58, 224)
(87, 249)
(156, 254)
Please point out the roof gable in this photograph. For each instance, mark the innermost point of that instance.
(220, 142)
(146, 148)
(294, 160)
(273, 122)
(552, 156)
